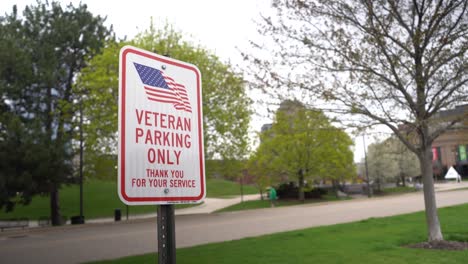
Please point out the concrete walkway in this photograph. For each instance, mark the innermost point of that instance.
(209, 206)
(452, 185)
(214, 204)
(92, 242)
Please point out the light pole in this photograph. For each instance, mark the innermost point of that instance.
(79, 219)
(81, 162)
(244, 172)
(367, 169)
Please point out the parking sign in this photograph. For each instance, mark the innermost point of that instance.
(160, 130)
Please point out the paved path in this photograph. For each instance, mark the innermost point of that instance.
(209, 206)
(75, 244)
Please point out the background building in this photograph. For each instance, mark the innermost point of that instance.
(450, 149)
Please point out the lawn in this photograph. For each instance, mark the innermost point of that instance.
(398, 190)
(100, 199)
(222, 188)
(256, 204)
(376, 240)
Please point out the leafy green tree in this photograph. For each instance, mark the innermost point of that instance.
(339, 166)
(16, 177)
(51, 45)
(226, 108)
(393, 63)
(259, 166)
(14, 71)
(389, 160)
(381, 164)
(302, 144)
(97, 83)
(408, 164)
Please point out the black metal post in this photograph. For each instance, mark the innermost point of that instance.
(166, 235)
(127, 212)
(367, 169)
(81, 161)
(242, 189)
(166, 229)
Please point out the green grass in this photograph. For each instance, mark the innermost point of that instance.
(376, 240)
(222, 188)
(257, 204)
(398, 190)
(100, 199)
(453, 190)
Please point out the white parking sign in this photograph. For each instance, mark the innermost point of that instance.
(160, 130)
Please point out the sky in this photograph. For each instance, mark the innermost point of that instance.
(223, 27)
(220, 26)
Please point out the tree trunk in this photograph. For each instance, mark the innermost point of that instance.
(403, 180)
(301, 186)
(432, 218)
(335, 188)
(54, 206)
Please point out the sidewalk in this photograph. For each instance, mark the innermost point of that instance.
(214, 204)
(452, 185)
(93, 242)
(211, 205)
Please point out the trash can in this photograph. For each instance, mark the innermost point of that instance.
(117, 215)
(77, 220)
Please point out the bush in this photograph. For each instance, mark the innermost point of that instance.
(291, 191)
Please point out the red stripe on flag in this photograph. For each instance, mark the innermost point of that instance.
(176, 94)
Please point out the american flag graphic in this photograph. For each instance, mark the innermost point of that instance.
(162, 88)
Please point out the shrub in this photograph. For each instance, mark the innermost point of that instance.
(290, 190)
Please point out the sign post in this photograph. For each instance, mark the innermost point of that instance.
(160, 137)
(166, 234)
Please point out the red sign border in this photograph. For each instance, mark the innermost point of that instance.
(174, 199)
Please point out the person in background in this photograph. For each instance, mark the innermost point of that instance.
(273, 196)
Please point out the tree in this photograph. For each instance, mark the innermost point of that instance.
(14, 139)
(258, 166)
(303, 144)
(52, 45)
(389, 160)
(406, 161)
(18, 161)
(381, 163)
(394, 63)
(97, 83)
(226, 108)
(340, 159)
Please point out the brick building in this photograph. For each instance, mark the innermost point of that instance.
(450, 149)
